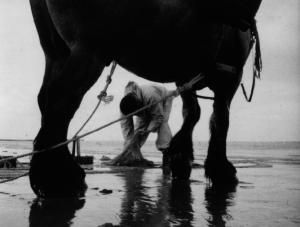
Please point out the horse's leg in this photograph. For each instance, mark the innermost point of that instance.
(69, 74)
(54, 172)
(181, 146)
(217, 168)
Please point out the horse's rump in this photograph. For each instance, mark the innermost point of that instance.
(239, 13)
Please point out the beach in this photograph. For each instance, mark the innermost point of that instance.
(268, 193)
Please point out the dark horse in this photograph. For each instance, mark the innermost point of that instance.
(160, 40)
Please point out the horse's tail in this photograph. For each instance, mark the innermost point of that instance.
(257, 64)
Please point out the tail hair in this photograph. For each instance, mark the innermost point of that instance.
(257, 64)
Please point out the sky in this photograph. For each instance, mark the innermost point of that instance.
(273, 114)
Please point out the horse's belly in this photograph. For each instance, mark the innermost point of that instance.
(163, 63)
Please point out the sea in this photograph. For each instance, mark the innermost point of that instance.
(242, 154)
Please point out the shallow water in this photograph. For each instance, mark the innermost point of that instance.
(268, 195)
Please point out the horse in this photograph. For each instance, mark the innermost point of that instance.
(159, 40)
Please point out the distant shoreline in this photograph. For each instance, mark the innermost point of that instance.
(153, 141)
(203, 144)
(21, 140)
(197, 141)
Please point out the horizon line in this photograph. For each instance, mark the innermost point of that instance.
(202, 141)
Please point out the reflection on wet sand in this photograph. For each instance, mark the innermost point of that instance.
(54, 212)
(164, 203)
(140, 207)
(149, 200)
(180, 203)
(217, 201)
(169, 205)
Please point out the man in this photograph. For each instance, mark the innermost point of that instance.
(154, 119)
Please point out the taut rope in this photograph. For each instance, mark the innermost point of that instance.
(187, 86)
(14, 178)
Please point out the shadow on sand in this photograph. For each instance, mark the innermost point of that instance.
(54, 212)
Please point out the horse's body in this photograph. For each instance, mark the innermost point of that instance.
(160, 40)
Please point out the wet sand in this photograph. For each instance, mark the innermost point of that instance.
(266, 196)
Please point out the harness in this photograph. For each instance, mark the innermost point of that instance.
(257, 64)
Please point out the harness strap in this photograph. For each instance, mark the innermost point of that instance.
(248, 99)
(223, 68)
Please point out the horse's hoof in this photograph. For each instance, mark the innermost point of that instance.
(56, 174)
(181, 167)
(58, 185)
(220, 172)
(59, 189)
(182, 173)
(166, 168)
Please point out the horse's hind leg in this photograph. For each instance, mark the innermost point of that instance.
(69, 74)
(217, 167)
(181, 146)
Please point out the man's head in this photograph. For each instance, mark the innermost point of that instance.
(130, 103)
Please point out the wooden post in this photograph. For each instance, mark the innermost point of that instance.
(78, 148)
(74, 149)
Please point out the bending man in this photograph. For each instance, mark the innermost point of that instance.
(154, 119)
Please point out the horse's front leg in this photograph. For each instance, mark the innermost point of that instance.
(217, 167)
(54, 173)
(181, 146)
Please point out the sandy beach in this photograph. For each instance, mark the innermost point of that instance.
(268, 195)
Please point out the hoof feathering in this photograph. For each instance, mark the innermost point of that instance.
(220, 172)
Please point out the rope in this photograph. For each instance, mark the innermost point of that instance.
(14, 178)
(187, 86)
(175, 93)
(204, 97)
